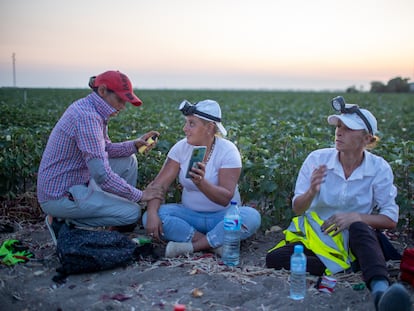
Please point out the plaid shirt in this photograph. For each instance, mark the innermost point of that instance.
(79, 136)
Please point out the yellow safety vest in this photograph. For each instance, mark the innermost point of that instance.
(333, 251)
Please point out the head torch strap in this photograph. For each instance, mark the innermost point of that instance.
(354, 109)
(189, 109)
(206, 115)
(361, 115)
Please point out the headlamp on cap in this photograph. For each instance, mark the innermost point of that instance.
(188, 109)
(339, 104)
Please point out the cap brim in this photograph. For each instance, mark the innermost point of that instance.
(346, 119)
(131, 98)
(137, 102)
(221, 128)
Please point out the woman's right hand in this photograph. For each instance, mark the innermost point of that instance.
(302, 202)
(152, 192)
(317, 178)
(163, 180)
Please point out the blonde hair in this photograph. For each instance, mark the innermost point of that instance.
(216, 129)
(373, 142)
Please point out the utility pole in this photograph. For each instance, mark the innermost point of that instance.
(14, 69)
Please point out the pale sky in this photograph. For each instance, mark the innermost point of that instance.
(214, 44)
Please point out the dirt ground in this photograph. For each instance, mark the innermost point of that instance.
(200, 282)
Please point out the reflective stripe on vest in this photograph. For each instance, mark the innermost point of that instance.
(332, 251)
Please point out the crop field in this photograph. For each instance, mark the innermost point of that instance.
(274, 132)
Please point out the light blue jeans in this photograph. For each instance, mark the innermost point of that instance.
(180, 223)
(91, 206)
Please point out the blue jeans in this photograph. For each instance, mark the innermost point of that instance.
(180, 223)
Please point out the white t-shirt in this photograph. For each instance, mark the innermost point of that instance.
(225, 155)
(370, 185)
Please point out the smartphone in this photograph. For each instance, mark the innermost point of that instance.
(196, 156)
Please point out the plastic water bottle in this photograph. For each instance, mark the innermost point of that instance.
(298, 273)
(232, 229)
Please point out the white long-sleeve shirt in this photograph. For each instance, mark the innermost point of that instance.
(369, 186)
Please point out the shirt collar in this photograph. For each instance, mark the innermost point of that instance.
(101, 106)
(367, 167)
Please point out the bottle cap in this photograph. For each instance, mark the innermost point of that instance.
(298, 249)
(179, 307)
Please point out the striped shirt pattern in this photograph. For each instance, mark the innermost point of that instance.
(79, 136)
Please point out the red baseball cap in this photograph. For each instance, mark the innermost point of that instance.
(117, 82)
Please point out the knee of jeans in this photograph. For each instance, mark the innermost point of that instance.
(357, 226)
(275, 260)
(165, 219)
(252, 223)
(144, 220)
(133, 216)
(214, 240)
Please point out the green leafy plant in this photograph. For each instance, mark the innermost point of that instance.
(274, 132)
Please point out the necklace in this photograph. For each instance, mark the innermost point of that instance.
(211, 150)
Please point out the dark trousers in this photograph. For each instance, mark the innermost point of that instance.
(363, 243)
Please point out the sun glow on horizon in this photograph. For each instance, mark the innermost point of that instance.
(318, 40)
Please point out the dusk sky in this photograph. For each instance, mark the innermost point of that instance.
(215, 44)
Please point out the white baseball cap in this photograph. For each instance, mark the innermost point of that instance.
(354, 121)
(207, 110)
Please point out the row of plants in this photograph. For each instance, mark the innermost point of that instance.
(274, 132)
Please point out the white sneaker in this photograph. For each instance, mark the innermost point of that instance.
(51, 231)
(53, 225)
(175, 249)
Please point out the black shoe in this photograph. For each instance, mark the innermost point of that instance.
(124, 229)
(377, 296)
(395, 298)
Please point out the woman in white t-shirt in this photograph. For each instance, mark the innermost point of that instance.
(196, 223)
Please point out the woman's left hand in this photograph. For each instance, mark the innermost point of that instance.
(339, 222)
(197, 173)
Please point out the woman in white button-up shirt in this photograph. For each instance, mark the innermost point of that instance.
(352, 193)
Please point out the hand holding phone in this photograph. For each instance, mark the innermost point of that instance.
(196, 156)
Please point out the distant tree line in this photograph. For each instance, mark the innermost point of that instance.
(395, 85)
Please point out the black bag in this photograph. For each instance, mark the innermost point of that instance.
(83, 251)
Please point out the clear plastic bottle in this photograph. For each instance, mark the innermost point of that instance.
(298, 273)
(232, 229)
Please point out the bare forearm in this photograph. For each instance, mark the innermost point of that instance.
(165, 177)
(153, 206)
(378, 221)
(217, 194)
(302, 202)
